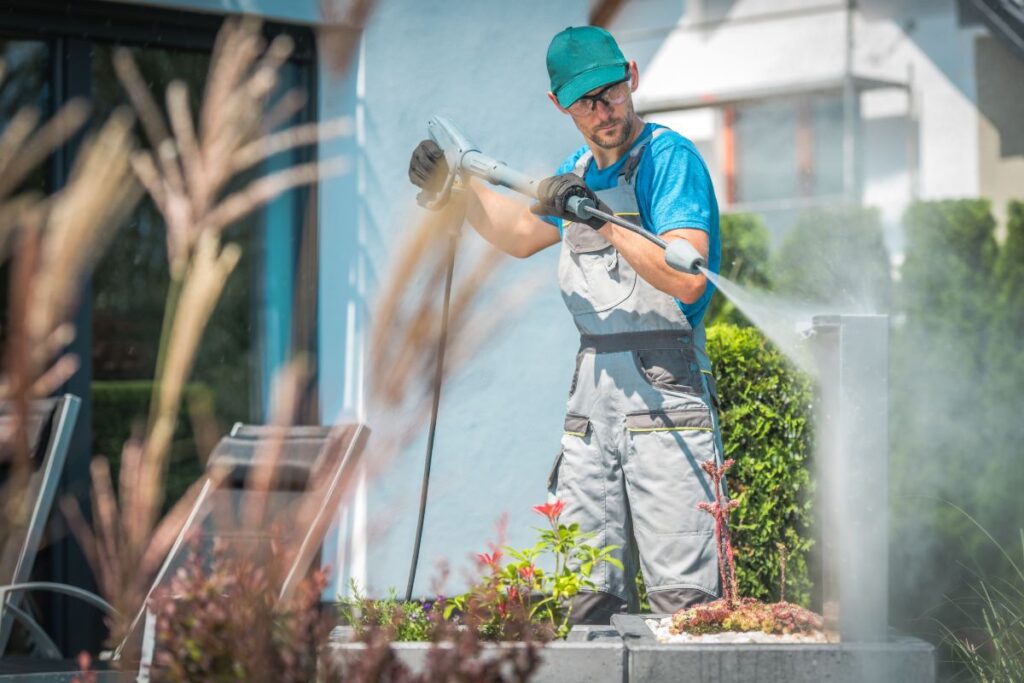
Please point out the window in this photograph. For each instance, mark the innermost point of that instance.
(55, 50)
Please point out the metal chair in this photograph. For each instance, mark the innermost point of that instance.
(311, 466)
(49, 426)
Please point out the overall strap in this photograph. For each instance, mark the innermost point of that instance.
(580, 168)
(628, 171)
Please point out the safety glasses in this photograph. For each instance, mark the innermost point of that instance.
(611, 95)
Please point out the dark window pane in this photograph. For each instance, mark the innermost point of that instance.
(24, 85)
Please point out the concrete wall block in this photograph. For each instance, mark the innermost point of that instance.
(596, 658)
(897, 660)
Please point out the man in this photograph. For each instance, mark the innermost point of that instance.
(642, 407)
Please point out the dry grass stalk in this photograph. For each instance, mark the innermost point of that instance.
(189, 169)
(339, 31)
(190, 173)
(56, 242)
(207, 275)
(407, 315)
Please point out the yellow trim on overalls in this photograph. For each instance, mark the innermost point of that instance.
(669, 429)
(579, 434)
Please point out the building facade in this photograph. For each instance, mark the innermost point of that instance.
(803, 103)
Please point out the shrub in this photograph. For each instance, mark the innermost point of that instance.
(406, 621)
(766, 429)
(956, 374)
(835, 256)
(220, 619)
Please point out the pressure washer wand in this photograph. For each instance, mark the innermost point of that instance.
(464, 158)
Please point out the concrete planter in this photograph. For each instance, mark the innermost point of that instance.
(592, 654)
(897, 660)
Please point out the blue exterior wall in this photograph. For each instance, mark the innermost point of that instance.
(501, 416)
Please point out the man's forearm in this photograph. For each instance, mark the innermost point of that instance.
(507, 223)
(648, 260)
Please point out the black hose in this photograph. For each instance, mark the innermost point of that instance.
(438, 377)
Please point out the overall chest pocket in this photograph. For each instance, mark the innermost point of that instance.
(593, 274)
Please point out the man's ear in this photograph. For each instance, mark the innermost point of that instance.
(634, 76)
(554, 100)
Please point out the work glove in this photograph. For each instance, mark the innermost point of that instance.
(428, 168)
(554, 192)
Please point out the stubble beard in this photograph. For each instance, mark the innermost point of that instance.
(624, 127)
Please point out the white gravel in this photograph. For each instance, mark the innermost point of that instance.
(660, 627)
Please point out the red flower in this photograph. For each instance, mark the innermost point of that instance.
(527, 572)
(550, 510)
(489, 559)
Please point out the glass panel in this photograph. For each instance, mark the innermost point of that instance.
(766, 162)
(25, 83)
(246, 339)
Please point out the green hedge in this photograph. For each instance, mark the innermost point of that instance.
(957, 374)
(766, 429)
(119, 407)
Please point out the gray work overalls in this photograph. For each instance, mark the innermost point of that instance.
(641, 418)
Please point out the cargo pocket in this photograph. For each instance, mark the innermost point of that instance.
(664, 476)
(576, 425)
(674, 370)
(672, 420)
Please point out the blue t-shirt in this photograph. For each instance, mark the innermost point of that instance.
(673, 190)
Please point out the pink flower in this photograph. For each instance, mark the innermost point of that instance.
(527, 572)
(550, 510)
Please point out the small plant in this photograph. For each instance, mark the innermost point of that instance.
(720, 510)
(748, 614)
(732, 613)
(220, 618)
(407, 621)
(521, 586)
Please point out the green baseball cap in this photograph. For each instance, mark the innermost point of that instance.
(582, 58)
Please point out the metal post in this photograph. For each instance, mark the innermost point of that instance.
(852, 429)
